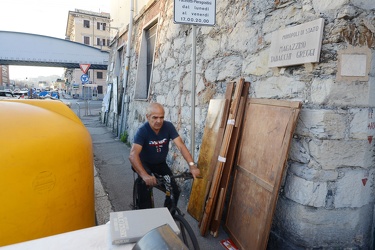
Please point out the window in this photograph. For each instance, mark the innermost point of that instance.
(86, 40)
(99, 75)
(86, 23)
(100, 42)
(145, 62)
(100, 26)
(100, 89)
(150, 37)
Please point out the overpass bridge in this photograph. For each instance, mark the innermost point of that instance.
(26, 49)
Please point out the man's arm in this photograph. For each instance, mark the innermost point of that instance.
(194, 170)
(137, 165)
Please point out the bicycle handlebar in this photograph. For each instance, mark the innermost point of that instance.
(185, 176)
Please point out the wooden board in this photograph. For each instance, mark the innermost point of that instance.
(224, 147)
(267, 131)
(228, 165)
(212, 135)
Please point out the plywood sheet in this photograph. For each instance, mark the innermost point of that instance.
(267, 131)
(217, 114)
(209, 140)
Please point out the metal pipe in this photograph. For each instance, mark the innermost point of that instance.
(78, 110)
(126, 70)
(86, 107)
(193, 83)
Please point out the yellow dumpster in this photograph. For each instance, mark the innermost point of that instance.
(46, 171)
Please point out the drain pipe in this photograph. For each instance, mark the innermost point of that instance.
(125, 98)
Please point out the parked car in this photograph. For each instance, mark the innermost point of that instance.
(21, 94)
(55, 94)
(4, 94)
(52, 94)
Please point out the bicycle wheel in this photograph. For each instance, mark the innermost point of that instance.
(186, 233)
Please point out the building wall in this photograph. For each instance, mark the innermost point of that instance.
(120, 13)
(76, 31)
(4, 75)
(326, 199)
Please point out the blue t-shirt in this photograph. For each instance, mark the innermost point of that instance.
(155, 147)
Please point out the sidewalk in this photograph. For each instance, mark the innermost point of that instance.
(114, 179)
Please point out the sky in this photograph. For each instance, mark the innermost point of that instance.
(42, 17)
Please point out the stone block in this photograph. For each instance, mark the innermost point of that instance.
(171, 62)
(305, 192)
(299, 151)
(321, 228)
(229, 67)
(257, 64)
(332, 154)
(326, 6)
(211, 48)
(279, 87)
(322, 123)
(331, 93)
(359, 124)
(312, 174)
(363, 4)
(211, 72)
(372, 88)
(354, 189)
(156, 76)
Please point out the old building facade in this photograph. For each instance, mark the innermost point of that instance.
(4, 76)
(92, 29)
(327, 195)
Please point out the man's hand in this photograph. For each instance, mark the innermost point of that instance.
(194, 170)
(149, 180)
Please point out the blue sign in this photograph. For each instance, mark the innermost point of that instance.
(84, 78)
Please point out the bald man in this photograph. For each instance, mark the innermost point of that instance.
(149, 153)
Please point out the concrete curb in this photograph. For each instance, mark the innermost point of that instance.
(102, 204)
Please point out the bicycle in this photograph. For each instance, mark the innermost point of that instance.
(164, 184)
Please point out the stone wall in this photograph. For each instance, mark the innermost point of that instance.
(326, 199)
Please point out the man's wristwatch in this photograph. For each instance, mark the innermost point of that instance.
(191, 163)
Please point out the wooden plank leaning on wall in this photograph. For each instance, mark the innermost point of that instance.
(213, 193)
(217, 116)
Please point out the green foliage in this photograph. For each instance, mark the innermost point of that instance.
(124, 137)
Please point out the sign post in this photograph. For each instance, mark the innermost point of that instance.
(84, 78)
(195, 13)
(84, 67)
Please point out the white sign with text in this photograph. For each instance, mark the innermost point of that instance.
(296, 45)
(198, 12)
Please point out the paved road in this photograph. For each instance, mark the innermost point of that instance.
(114, 177)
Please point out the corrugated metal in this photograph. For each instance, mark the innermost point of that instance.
(36, 50)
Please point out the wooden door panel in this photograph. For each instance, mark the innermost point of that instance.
(247, 217)
(267, 131)
(264, 139)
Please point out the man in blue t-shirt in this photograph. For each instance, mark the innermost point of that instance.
(150, 149)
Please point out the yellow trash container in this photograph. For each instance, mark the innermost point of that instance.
(46, 171)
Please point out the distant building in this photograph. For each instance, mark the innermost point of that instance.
(59, 84)
(92, 29)
(4, 76)
(43, 85)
